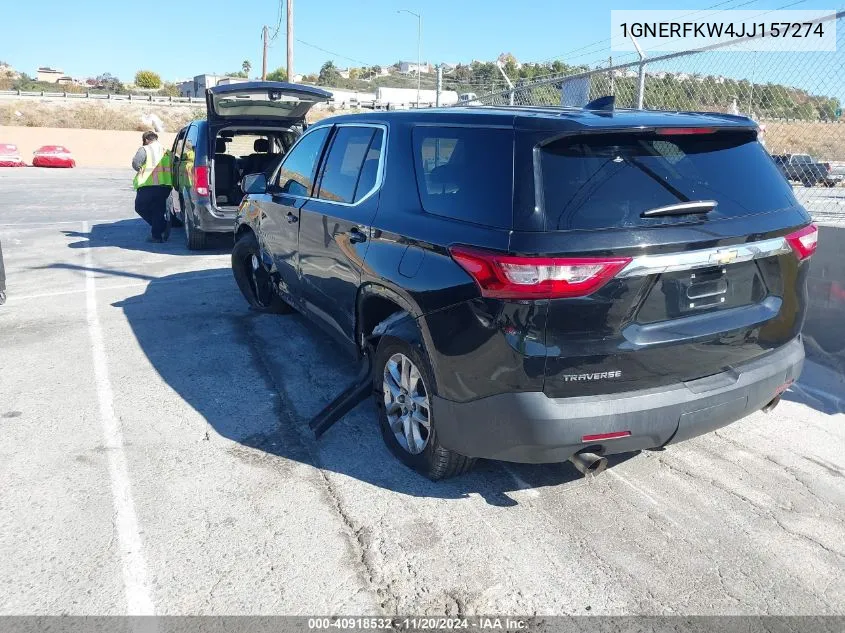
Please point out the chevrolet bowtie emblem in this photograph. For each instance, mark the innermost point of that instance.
(723, 257)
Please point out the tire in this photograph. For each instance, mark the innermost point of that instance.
(195, 239)
(253, 279)
(431, 459)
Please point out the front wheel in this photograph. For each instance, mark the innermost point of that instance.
(403, 388)
(252, 277)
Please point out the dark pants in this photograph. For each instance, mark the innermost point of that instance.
(151, 204)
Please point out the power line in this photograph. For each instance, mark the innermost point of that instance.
(325, 50)
(278, 21)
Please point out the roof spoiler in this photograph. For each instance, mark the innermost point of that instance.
(602, 104)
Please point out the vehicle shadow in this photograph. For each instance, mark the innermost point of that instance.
(131, 234)
(258, 378)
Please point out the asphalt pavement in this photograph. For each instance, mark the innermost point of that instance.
(155, 458)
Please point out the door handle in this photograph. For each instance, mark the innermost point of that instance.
(292, 219)
(356, 236)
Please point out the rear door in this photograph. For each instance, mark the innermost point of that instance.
(257, 101)
(335, 223)
(707, 280)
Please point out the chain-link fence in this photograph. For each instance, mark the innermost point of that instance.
(796, 97)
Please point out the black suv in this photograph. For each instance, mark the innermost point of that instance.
(538, 284)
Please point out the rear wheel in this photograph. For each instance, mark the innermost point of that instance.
(195, 239)
(403, 388)
(253, 278)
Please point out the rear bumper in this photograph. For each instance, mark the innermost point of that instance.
(531, 427)
(212, 220)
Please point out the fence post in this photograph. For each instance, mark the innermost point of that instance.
(641, 86)
(439, 84)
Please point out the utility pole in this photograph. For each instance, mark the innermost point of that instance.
(419, 49)
(610, 65)
(290, 41)
(439, 84)
(264, 54)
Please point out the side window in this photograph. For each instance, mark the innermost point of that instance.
(179, 142)
(466, 173)
(351, 167)
(296, 176)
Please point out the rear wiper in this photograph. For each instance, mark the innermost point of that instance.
(694, 207)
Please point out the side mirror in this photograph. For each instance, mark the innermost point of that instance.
(254, 183)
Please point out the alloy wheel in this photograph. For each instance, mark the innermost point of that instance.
(406, 403)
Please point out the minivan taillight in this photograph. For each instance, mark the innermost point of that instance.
(805, 241)
(516, 277)
(201, 180)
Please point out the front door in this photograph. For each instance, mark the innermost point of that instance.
(335, 224)
(290, 188)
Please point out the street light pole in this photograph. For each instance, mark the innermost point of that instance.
(419, 49)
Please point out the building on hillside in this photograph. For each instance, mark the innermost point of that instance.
(49, 75)
(197, 86)
(411, 68)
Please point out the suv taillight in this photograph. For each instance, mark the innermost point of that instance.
(514, 277)
(804, 242)
(201, 180)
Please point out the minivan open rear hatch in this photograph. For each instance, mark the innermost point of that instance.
(269, 101)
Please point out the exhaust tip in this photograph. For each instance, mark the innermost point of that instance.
(771, 405)
(589, 464)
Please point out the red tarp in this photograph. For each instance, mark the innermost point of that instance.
(53, 156)
(9, 156)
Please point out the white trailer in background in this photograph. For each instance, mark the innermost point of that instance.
(407, 98)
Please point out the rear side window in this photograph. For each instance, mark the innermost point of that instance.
(598, 181)
(351, 166)
(466, 173)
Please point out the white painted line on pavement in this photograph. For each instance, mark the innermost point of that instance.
(138, 597)
(23, 225)
(524, 486)
(661, 507)
(136, 284)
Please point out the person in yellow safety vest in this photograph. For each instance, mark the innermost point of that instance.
(153, 183)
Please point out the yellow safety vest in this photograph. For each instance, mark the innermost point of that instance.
(156, 168)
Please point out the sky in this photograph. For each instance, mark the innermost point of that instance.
(182, 38)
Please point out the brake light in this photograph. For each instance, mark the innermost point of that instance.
(201, 180)
(805, 241)
(514, 277)
(674, 131)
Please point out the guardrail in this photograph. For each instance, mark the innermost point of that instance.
(149, 98)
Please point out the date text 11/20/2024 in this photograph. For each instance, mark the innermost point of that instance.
(419, 623)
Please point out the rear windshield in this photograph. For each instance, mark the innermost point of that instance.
(607, 180)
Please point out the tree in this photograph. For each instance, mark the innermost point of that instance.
(169, 89)
(109, 82)
(147, 79)
(237, 73)
(246, 66)
(280, 74)
(329, 76)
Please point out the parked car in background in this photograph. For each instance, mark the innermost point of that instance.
(836, 172)
(802, 168)
(538, 284)
(10, 156)
(53, 156)
(248, 128)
